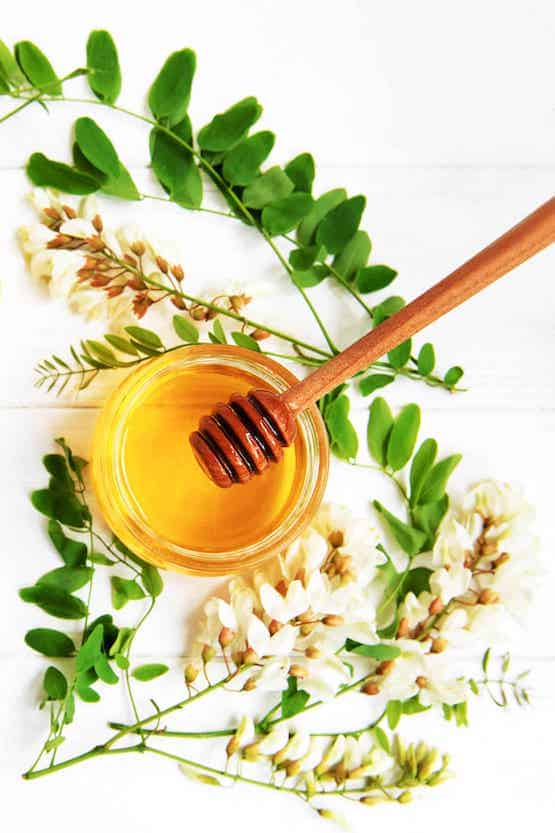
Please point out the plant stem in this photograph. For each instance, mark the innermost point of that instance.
(95, 752)
(317, 703)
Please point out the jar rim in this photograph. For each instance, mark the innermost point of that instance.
(109, 475)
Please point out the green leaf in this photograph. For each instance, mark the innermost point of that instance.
(242, 163)
(246, 341)
(9, 70)
(379, 652)
(185, 329)
(54, 602)
(387, 308)
(100, 558)
(322, 206)
(85, 692)
(37, 68)
(67, 578)
(403, 437)
(447, 711)
(46, 173)
(121, 642)
(428, 518)
(344, 439)
(49, 642)
(453, 375)
(201, 777)
(374, 278)
(310, 277)
(415, 581)
(228, 128)
(374, 382)
(353, 256)
(96, 146)
(302, 259)
(121, 344)
(409, 539)
(393, 711)
(272, 185)
(150, 671)
(435, 483)
(110, 630)
(399, 356)
(146, 337)
(152, 580)
(170, 93)
(340, 224)
(90, 650)
(426, 359)
(486, 660)
(74, 553)
(175, 166)
(380, 423)
(293, 699)
(283, 215)
(421, 465)
(101, 353)
(76, 464)
(301, 172)
(105, 671)
(382, 739)
(460, 712)
(55, 465)
(54, 684)
(124, 590)
(218, 333)
(414, 706)
(104, 74)
(121, 186)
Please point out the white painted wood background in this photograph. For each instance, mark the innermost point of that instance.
(443, 115)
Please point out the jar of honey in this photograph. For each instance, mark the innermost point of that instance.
(151, 490)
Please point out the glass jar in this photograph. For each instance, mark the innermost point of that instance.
(154, 496)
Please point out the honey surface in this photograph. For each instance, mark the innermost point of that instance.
(169, 490)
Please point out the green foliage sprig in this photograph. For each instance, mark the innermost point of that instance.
(276, 202)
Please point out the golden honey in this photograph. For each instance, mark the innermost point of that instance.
(152, 491)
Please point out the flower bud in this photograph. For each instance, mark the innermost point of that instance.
(97, 223)
(198, 314)
(191, 673)
(95, 243)
(177, 272)
(178, 302)
(439, 645)
(426, 767)
(250, 657)
(237, 302)
(162, 264)
(138, 248)
(405, 797)
(249, 685)
(503, 558)
(53, 214)
(298, 671)
(259, 335)
(281, 587)
(226, 637)
(114, 291)
(436, 606)
(300, 575)
(403, 629)
(274, 626)
(370, 688)
(307, 628)
(130, 260)
(208, 653)
(293, 768)
(340, 773)
(371, 800)
(232, 746)
(385, 667)
(238, 658)
(488, 597)
(58, 242)
(333, 621)
(136, 283)
(312, 652)
(421, 682)
(70, 212)
(336, 538)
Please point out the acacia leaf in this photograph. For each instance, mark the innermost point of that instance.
(50, 642)
(37, 68)
(426, 359)
(422, 463)
(54, 684)
(283, 215)
(170, 93)
(90, 650)
(246, 341)
(355, 254)
(185, 329)
(321, 207)
(47, 173)
(104, 74)
(403, 437)
(242, 162)
(410, 540)
(380, 423)
(343, 437)
(374, 278)
(340, 224)
(54, 602)
(67, 578)
(149, 671)
(379, 651)
(374, 382)
(175, 166)
(270, 186)
(435, 483)
(301, 172)
(228, 128)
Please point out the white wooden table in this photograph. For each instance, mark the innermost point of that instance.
(442, 114)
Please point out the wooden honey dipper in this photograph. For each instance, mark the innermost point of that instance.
(240, 439)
